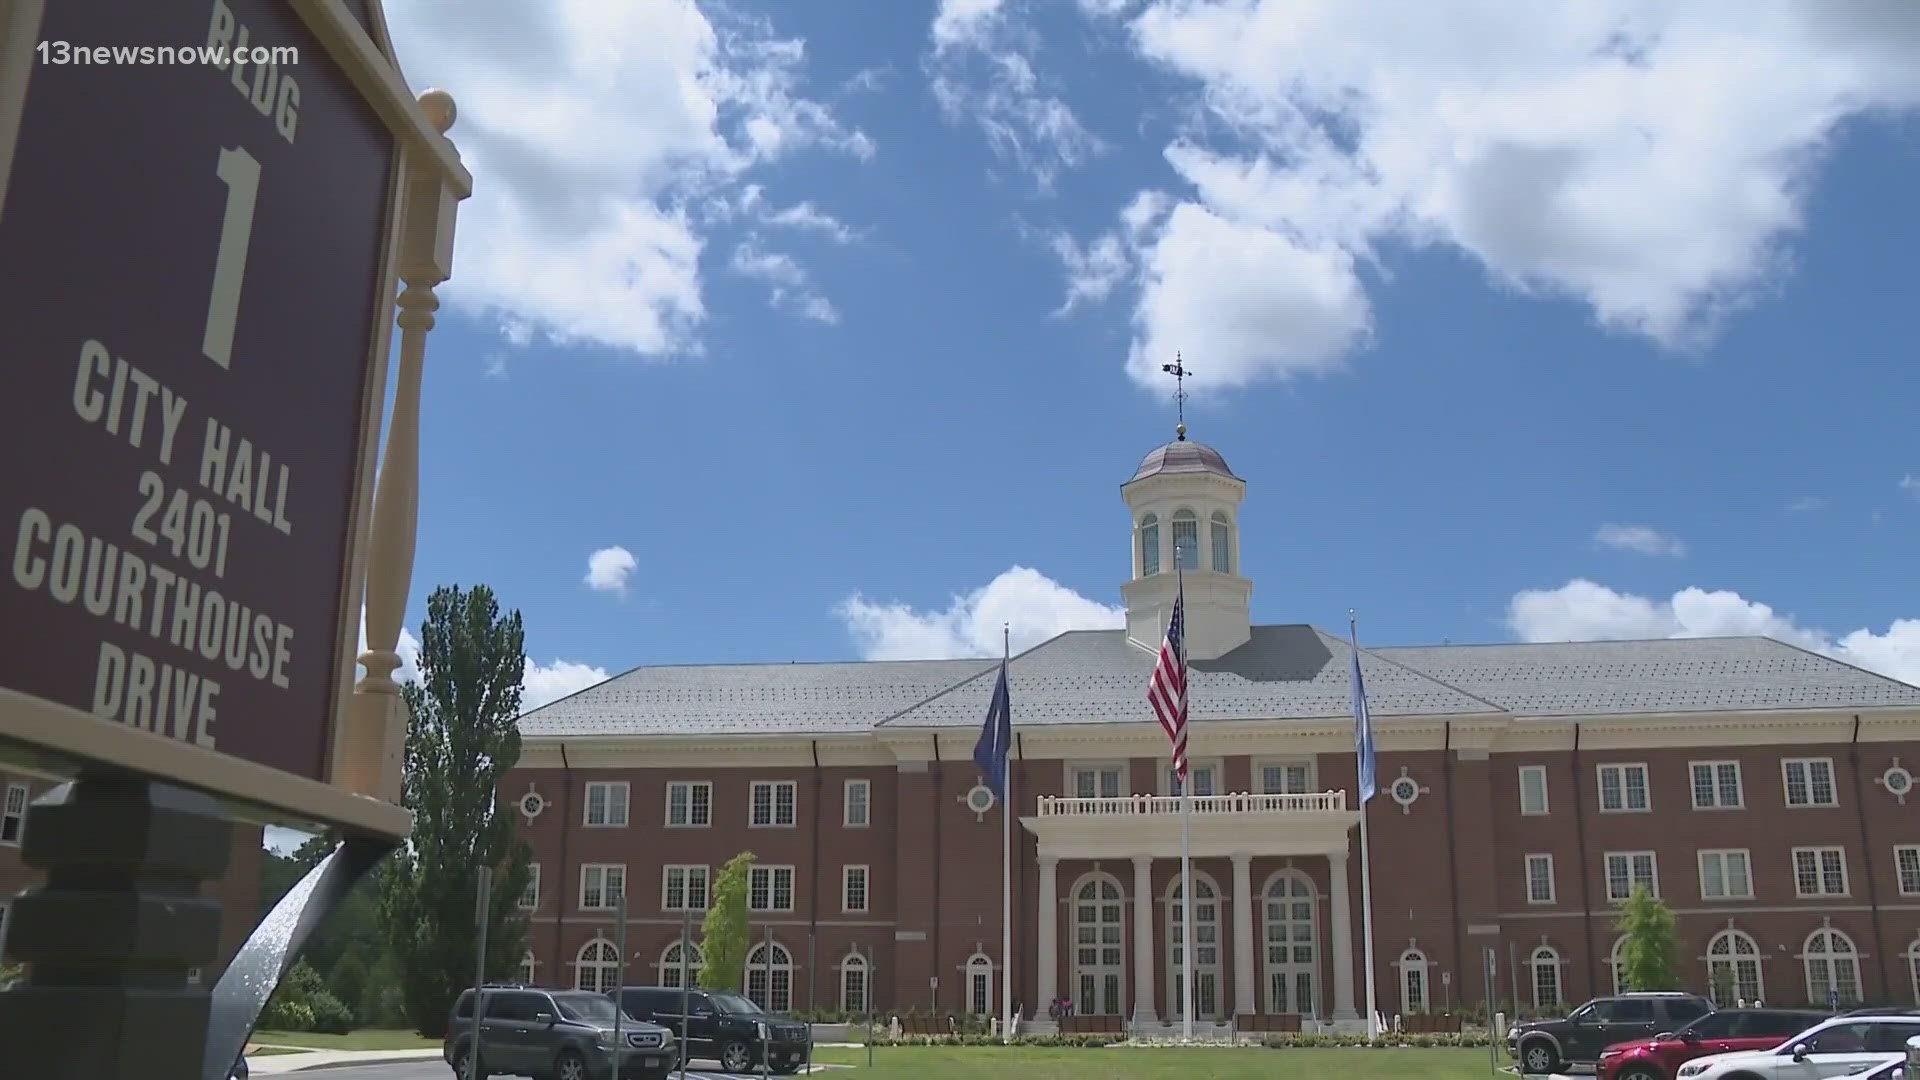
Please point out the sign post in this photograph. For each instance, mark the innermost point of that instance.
(482, 901)
(207, 208)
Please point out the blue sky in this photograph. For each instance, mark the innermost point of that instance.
(836, 320)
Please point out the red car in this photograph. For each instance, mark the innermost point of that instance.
(1721, 1032)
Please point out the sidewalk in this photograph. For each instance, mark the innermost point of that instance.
(273, 1064)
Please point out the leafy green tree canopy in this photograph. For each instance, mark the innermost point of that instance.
(1647, 955)
(723, 936)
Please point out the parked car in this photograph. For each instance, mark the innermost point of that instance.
(1839, 1046)
(715, 1025)
(556, 1035)
(1721, 1032)
(1543, 1046)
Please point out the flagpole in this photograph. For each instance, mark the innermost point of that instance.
(1006, 859)
(1366, 871)
(1186, 834)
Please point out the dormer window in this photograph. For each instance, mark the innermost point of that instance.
(1186, 540)
(1149, 545)
(1222, 543)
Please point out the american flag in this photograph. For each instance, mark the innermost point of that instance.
(1167, 691)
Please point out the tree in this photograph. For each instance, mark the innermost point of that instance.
(1647, 955)
(462, 738)
(723, 935)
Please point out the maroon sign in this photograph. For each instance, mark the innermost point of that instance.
(189, 247)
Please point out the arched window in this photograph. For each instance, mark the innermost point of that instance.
(1292, 954)
(1222, 543)
(1186, 540)
(854, 984)
(676, 971)
(1833, 967)
(1099, 956)
(1206, 949)
(1149, 545)
(1913, 968)
(1414, 987)
(980, 985)
(1617, 960)
(597, 967)
(525, 974)
(1545, 963)
(770, 977)
(1733, 969)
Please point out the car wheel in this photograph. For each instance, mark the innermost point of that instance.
(1538, 1056)
(736, 1056)
(460, 1065)
(1640, 1072)
(570, 1066)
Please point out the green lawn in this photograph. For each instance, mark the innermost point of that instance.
(1127, 1063)
(271, 1051)
(371, 1039)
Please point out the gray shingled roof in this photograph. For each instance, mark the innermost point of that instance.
(748, 699)
(1595, 678)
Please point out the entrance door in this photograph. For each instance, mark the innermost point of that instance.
(1292, 954)
(1206, 951)
(1099, 953)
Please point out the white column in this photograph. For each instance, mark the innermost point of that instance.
(1243, 1004)
(1143, 935)
(1049, 944)
(1342, 907)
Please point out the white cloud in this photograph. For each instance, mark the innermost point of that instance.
(1806, 504)
(1092, 269)
(751, 203)
(609, 568)
(982, 70)
(590, 127)
(1910, 485)
(1650, 160)
(1582, 610)
(544, 683)
(1639, 539)
(1033, 607)
(790, 289)
(496, 366)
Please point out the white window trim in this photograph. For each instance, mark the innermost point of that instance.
(1599, 786)
(1846, 878)
(866, 888)
(773, 804)
(1410, 961)
(603, 868)
(1559, 965)
(1068, 768)
(1553, 889)
(1739, 779)
(1261, 765)
(1700, 864)
(1833, 783)
(977, 964)
(625, 791)
(26, 801)
(846, 803)
(666, 813)
(1546, 794)
(793, 888)
(854, 961)
(687, 873)
(1606, 873)
(1165, 782)
(1897, 879)
(533, 886)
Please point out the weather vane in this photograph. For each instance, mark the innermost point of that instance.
(1179, 371)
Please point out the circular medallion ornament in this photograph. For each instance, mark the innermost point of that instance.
(531, 804)
(980, 798)
(1405, 791)
(1897, 780)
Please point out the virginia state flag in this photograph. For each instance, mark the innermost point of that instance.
(1362, 731)
(996, 735)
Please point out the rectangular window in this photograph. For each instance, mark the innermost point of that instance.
(859, 805)
(683, 888)
(1286, 778)
(1819, 871)
(1726, 875)
(1539, 879)
(1097, 781)
(1533, 789)
(530, 896)
(853, 888)
(1623, 789)
(773, 804)
(607, 803)
(1627, 870)
(770, 888)
(853, 989)
(1202, 779)
(1716, 785)
(1809, 782)
(13, 822)
(1222, 548)
(602, 885)
(689, 804)
(1186, 543)
(1906, 860)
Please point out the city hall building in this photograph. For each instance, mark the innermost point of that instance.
(1764, 792)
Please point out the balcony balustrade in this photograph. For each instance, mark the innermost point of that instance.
(1316, 802)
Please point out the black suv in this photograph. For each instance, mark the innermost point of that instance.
(555, 1035)
(715, 1025)
(1543, 1046)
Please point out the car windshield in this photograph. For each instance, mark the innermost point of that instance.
(589, 1008)
(735, 1005)
(1717, 1025)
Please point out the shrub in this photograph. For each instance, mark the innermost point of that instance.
(285, 1015)
(330, 1015)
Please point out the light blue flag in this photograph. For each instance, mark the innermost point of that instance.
(1362, 731)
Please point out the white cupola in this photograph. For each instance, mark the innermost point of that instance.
(1184, 498)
